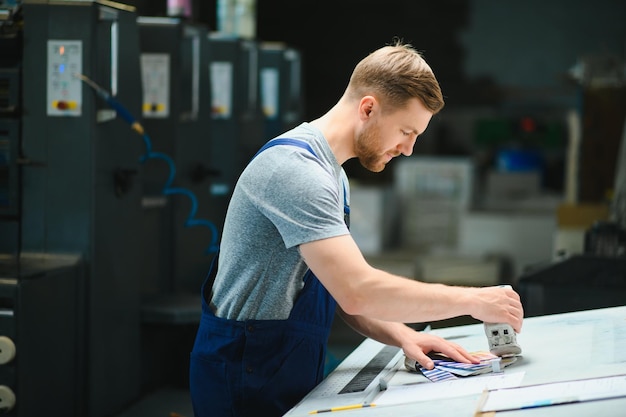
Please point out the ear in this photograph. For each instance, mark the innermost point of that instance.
(367, 107)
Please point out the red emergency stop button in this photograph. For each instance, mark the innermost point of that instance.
(64, 105)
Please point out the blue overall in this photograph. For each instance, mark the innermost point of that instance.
(261, 367)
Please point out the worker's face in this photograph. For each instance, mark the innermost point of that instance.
(385, 136)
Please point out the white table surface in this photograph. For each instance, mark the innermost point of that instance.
(555, 348)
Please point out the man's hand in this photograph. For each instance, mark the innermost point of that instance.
(418, 345)
(498, 305)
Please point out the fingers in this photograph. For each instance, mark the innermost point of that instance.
(418, 350)
(514, 316)
(457, 353)
(423, 359)
(516, 310)
(518, 320)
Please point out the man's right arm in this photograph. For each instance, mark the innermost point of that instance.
(363, 290)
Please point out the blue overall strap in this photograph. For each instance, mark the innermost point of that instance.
(304, 145)
(260, 367)
(286, 141)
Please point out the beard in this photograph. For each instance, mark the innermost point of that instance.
(367, 150)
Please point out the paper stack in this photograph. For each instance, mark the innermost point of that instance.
(446, 369)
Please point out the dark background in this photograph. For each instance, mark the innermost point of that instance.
(500, 61)
(530, 44)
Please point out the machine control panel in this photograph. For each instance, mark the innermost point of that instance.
(155, 74)
(65, 60)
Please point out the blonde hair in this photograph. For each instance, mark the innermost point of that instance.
(394, 74)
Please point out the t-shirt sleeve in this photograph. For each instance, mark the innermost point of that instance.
(303, 201)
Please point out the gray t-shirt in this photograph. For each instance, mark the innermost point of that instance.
(285, 197)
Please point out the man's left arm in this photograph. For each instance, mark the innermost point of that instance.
(416, 345)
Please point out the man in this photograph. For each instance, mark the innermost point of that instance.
(287, 257)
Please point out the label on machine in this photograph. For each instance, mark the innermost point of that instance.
(65, 89)
(155, 73)
(222, 90)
